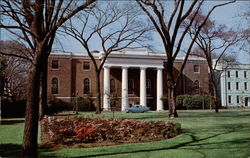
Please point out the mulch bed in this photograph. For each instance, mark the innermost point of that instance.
(62, 132)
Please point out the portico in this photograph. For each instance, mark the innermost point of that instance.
(127, 62)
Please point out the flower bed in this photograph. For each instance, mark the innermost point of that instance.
(60, 130)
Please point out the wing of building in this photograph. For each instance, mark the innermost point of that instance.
(131, 76)
(234, 84)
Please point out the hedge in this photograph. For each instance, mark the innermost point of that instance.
(195, 102)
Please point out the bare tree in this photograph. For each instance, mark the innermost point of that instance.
(244, 22)
(114, 27)
(214, 41)
(16, 71)
(36, 23)
(167, 23)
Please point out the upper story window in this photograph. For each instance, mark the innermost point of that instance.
(228, 85)
(112, 86)
(196, 68)
(245, 85)
(237, 85)
(131, 86)
(245, 74)
(228, 74)
(55, 64)
(86, 86)
(54, 88)
(236, 74)
(148, 86)
(86, 65)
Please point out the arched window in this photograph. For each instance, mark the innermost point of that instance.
(86, 86)
(197, 86)
(131, 86)
(112, 86)
(148, 85)
(54, 88)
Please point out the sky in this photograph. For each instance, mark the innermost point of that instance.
(228, 15)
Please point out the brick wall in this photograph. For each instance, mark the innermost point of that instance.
(71, 75)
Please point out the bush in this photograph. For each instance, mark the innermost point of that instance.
(10, 109)
(56, 105)
(85, 104)
(194, 102)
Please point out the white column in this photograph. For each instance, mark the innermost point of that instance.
(143, 95)
(106, 90)
(124, 88)
(159, 90)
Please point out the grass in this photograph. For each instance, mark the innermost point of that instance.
(205, 134)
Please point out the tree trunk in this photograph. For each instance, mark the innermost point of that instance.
(98, 92)
(172, 103)
(216, 100)
(171, 90)
(29, 146)
(43, 90)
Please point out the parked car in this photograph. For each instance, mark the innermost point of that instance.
(137, 108)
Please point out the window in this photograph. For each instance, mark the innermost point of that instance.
(131, 86)
(245, 74)
(86, 65)
(237, 85)
(86, 86)
(228, 85)
(229, 99)
(245, 85)
(228, 74)
(148, 86)
(196, 68)
(238, 99)
(55, 64)
(112, 86)
(54, 88)
(196, 86)
(237, 74)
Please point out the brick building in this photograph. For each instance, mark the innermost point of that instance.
(129, 77)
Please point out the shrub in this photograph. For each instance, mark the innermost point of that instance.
(85, 104)
(11, 109)
(194, 102)
(56, 105)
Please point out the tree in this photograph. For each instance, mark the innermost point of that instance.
(3, 65)
(36, 23)
(244, 22)
(114, 27)
(214, 41)
(15, 73)
(167, 23)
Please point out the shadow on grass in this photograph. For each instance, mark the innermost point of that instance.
(190, 145)
(230, 114)
(11, 122)
(10, 150)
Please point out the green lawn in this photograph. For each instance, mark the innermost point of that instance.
(205, 134)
